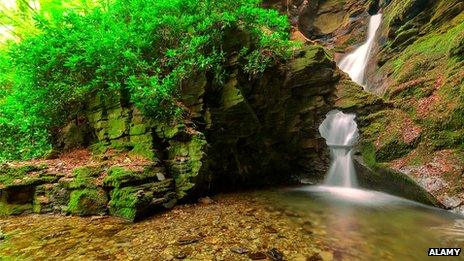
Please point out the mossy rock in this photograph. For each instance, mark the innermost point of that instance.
(76, 136)
(393, 182)
(85, 177)
(118, 123)
(14, 209)
(51, 198)
(394, 149)
(169, 130)
(87, 202)
(405, 37)
(187, 163)
(18, 186)
(311, 58)
(386, 129)
(119, 177)
(135, 202)
(398, 12)
(142, 145)
(457, 47)
(18, 176)
(351, 97)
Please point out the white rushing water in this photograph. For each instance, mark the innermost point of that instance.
(341, 133)
(355, 63)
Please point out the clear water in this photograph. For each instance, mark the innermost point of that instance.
(341, 133)
(355, 62)
(368, 225)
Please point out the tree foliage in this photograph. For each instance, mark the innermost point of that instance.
(145, 48)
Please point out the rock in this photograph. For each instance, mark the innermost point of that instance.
(275, 255)
(188, 240)
(315, 257)
(187, 163)
(206, 201)
(88, 202)
(77, 134)
(404, 37)
(96, 218)
(314, 58)
(326, 255)
(393, 182)
(451, 202)
(291, 213)
(457, 47)
(271, 229)
(239, 250)
(181, 256)
(123, 177)
(57, 234)
(257, 256)
(134, 202)
(307, 229)
(85, 177)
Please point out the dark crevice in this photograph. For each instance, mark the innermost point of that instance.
(160, 146)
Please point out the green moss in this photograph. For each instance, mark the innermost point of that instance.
(14, 209)
(351, 95)
(428, 49)
(133, 202)
(138, 129)
(313, 55)
(88, 202)
(385, 130)
(8, 175)
(231, 94)
(99, 148)
(120, 177)
(142, 146)
(398, 11)
(85, 177)
(186, 172)
(368, 154)
(123, 203)
(117, 124)
(168, 130)
(129, 202)
(143, 150)
(117, 175)
(393, 150)
(377, 124)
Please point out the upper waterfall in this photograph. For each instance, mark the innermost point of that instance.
(355, 63)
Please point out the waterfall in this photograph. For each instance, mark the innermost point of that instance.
(355, 63)
(341, 133)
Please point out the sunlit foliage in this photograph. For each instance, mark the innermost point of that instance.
(144, 48)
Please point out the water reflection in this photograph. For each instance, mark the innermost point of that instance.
(371, 225)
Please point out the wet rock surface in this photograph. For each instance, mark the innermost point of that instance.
(223, 230)
(267, 225)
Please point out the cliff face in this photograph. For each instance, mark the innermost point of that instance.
(417, 68)
(246, 132)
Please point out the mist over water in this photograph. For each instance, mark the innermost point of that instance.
(355, 63)
(340, 132)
